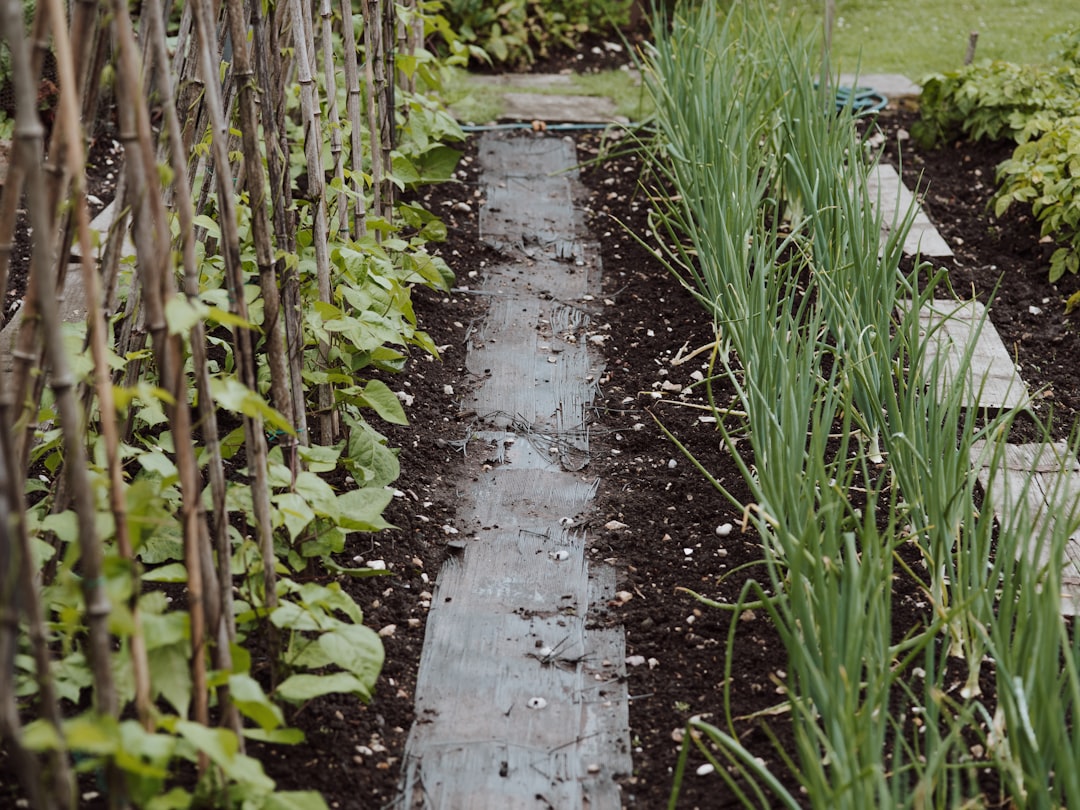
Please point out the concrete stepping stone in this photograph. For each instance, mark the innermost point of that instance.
(892, 198)
(559, 108)
(993, 380)
(1039, 482)
(523, 81)
(891, 85)
(521, 697)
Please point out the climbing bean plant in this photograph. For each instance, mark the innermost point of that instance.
(167, 481)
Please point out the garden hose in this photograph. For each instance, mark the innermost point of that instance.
(860, 100)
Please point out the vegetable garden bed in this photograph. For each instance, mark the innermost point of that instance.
(658, 519)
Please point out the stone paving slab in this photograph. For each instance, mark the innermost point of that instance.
(892, 85)
(559, 108)
(1039, 483)
(893, 199)
(992, 379)
(524, 81)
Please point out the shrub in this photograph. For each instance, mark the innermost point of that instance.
(516, 32)
(1039, 108)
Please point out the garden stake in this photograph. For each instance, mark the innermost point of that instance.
(98, 340)
(330, 79)
(255, 185)
(309, 103)
(29, 137)
(254, 437)
(372, 49)
(151, 242)
(224, 628)
(268, 64)
(352, 109)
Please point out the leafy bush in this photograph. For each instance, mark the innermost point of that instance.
(995, 100)
(1068, 45)
(1039, 108)
(1045, 173)
(516, 32)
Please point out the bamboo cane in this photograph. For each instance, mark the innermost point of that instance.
(384, 80)
(151, 242)
(19, 587)
(27, 356)
(309, 103)
(330, 80)
(255, 441)
(268, 64)
(372, 46)
(76, 157)
(29, 137)
(13, 185)
(255, 184)
(224, 626)
(352, 110)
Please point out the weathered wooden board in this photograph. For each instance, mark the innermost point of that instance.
(956, 328)
(1035, 486)
(893, 199)
(521, 698)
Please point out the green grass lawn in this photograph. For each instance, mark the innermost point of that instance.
(916, 37)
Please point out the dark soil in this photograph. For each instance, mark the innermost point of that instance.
(671, 514)
(670, 540)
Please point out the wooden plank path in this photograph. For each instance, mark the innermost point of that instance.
(521, 697)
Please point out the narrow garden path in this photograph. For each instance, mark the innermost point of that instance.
(521, 699)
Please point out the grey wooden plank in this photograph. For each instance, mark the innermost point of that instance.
(893, 199)
(1037, 484)
(954, 328)
(521, 698)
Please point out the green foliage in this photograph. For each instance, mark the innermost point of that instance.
(1039, 108)
(516, 32)
(1068, 45)
(328, 640)
(996, 101)
(745, 143)
(370, 328)
(1045, 174)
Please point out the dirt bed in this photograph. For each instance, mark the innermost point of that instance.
(671, 515)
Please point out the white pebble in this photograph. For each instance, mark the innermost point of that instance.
(724, 529)
(705, 770)
(537, 703)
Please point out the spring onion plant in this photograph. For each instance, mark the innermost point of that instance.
(1034, 729)
(771, 226)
